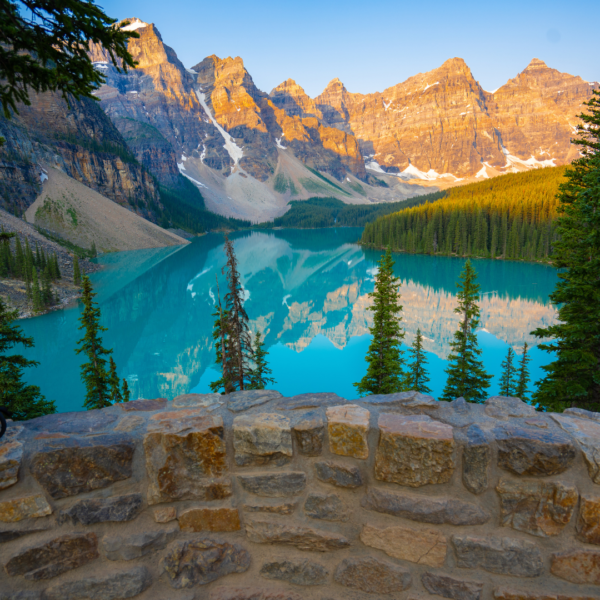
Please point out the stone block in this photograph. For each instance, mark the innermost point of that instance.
(31, 595)
(309, 433)
(165, 514)
(449, 587)
(80, 422)
(504, 407)
(303, 538)
(208, 401)
(476, 459)
(130, 422)
(327, 507)
(587, 435)
(309, 401)
(286, 508)
(75, 466)
(115, 586)
(144, 405)
(510, 594)
(577, 566)
(372, 576)
(275, 485)
(49, 559)
(588, 523)
(262, 439)
(247, 399)
(11, 454)
(410, 399)
(348, 427)
(581, 413)
(538, 508)
(303, 572)
(414, 450)
(184, 456)
(246, 593)
(8, 535)
(201, 561)
(421, 546)
(209, 519)
(533, 451)
(118, 548)
(344, 476)
(26, 507)
(118, 509)
(504, 556)
(426, 509)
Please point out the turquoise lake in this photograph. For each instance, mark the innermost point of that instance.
(307, 291)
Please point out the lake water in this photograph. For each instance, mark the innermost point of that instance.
(308, 292)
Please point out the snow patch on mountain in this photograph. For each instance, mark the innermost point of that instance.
(134, 24)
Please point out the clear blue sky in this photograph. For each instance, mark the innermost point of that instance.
(371, 45)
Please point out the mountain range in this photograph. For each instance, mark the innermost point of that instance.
(249, 152)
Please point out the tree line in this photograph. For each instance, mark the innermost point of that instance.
(512, 216)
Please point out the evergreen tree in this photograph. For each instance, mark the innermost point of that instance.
(76, 271)
(466, 375)
(418, 377)
(507, 378)
(19, 260)
(259, 377)
(221, 339)
(523, 375)
(36, 292)
(93, 372)
(23, 401)
(57, 273)
(385, 372)
(114, 383)
(126, 393)
(573, 377)
(47, 295)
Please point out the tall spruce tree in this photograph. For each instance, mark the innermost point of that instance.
(260, 375)
(23, 401)
(93, 372)
(508, 376)
(114, 383)
(523, 377)
(126, 392)
(221, 340)
(572, 379)
(466, 374)
(385, 364)
(418, 377)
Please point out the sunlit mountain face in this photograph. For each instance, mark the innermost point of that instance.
(306, 291)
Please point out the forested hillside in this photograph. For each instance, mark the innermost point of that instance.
(511, 216)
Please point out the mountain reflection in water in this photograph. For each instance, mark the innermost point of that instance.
(307, 292)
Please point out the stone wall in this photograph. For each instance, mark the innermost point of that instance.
(254, 496)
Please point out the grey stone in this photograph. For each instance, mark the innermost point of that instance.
(21, 595)
(533, 451)
(74, 466)
(144, 405)
(51, 558)
(8, 535)
(298, 573)
(303, 538)
(309, 401)
(476, 459)
(582, 414)
(460, 405)
(241, 401)
(338, 474)
(280, 509)
(309, 433)
(448, 587)
(262, 439)
(504, 556)
(201, 561)
(85, 421)
(11, 454)
(252, 593)
(136, 546)
(117, 509)
(116, 586)
(372, 575)
(208, 401)
(327, 507)
(275, 485)
(410, 399)
(426, 509)
(503, 407)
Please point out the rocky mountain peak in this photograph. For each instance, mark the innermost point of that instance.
(536, 63)
(292, 98)
(133, 24)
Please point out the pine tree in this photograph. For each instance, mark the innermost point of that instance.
(93, 372)
(114, 383)
(259, 377)
(47, 295)
(522, 390)
(385, 365)
(507, 378)
(466, 375)
(221, 339)
(418, 377)
(23, 401)
(76, 271)
(573, 377)
(57, 273)
(19, 260)
(126, 393)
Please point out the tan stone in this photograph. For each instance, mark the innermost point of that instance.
(183, 456)
(164, 514)
(178, 415)
(577, 566)
(588, 524)
(510, 594)
(26, 507)
(421, 546)
(11, 454)
(209, 519)
(414, 450)
(130, 422)
(348, 426)
(261, 439)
